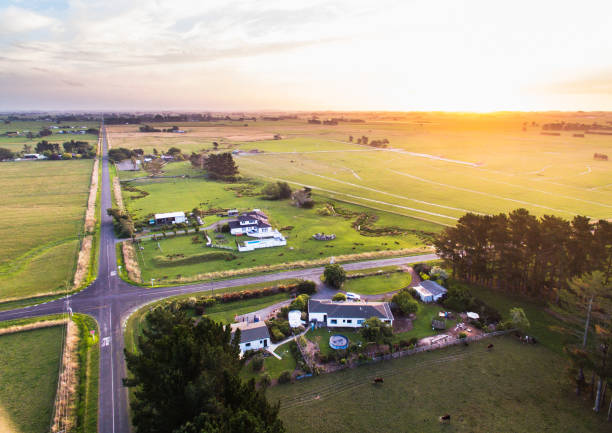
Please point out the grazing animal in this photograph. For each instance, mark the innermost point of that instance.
(379, 380)
(489, 347)
(445, 419)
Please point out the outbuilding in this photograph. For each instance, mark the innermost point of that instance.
(170, 218)
(253, 335)
(295, 318)
(430, 291)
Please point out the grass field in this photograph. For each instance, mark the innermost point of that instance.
(377, 284)
(514, 388)
(16, 143)
(437, 166)
(43, 210)
(29, 362)
(272, 365)
(298, 225)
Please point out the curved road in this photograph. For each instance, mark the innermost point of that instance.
(110, 301)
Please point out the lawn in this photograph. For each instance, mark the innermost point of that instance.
(29, 362)
(421, 326)
(42, 213)
(298, 225)
(321, 337)
(378, 284)
(513, 388)
(272, 366)
(225, 313)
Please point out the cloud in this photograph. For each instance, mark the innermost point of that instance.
(17, 20)
(588, 84)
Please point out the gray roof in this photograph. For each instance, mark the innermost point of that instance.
(433, 287)
(350, 309)
(256, 331)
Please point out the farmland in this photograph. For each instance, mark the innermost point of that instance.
(298, 225)
(42, 214)
(512, 388)
(29, 362)
(437, 166)
(17, 143)
(377, 284)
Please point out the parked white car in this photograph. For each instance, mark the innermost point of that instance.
(353, 296)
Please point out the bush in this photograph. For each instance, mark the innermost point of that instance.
(265, 381)
(405, 302)
(165, 261)
(438, 273)
(307, 286)
(276, 334)
(339, 297)
(462, 335)
(257, 363)
(285, 377)
(300, 303)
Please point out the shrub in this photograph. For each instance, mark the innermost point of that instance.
(405, 302)
(300, 303)
(462, 335)
(339, 297)
(307, 286)
(265, 381)
(285, 377)
(257, 363)
(276, 334)
(438, 273)
(165, 261)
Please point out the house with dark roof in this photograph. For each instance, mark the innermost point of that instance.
(249, 223)
(430, 291)
(347, 314)
(253, 335)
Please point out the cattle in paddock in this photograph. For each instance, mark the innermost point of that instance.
(489, 347)
(445, 419)
(378, 380)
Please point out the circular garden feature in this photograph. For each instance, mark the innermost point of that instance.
(338, 342)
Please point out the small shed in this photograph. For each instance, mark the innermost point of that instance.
(170, 218)
(430, 291)
(295, 318)
(473, 316)
(438, 324)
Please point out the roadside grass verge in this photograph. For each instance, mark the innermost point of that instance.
(378, 284)
(514, 387)
(20, 303)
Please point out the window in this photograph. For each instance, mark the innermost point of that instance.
(360, 321)
(349, 321)
(248, 345)
(333, 321)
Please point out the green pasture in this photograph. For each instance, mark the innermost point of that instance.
(298, 226)
(438, 166)
(378, 284)
(225, 313)
(513, 388)
(43, 208)
(29, 362)
(16, 143)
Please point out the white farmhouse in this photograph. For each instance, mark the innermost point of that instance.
(253, 335)
(347, 314)
(250, 223)
(430, 291)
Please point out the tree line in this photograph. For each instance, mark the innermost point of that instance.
(521, 253)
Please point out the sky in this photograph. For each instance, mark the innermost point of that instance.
(225, 55)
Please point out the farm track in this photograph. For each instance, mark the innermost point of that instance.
(341, 386)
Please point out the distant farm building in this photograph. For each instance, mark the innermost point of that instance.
(128, 165)
(169, 218)
(430, 291)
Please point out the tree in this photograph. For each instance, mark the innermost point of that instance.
(301, 198)
(519, 319)
(43, 145)
(300, 303)
(375, 330)
(27, 148)
(334, 275)
(6, 154)
(185, 380)
(277, 191)
(215, 145)
(220, 166)
(405, 302)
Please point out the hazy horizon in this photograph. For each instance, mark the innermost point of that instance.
(452, 56)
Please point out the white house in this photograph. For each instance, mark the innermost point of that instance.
(251, 223)
(430, 291)
(253, 335)
(170, 218)
(347, 314)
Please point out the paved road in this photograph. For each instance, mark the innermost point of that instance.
(110, 301)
